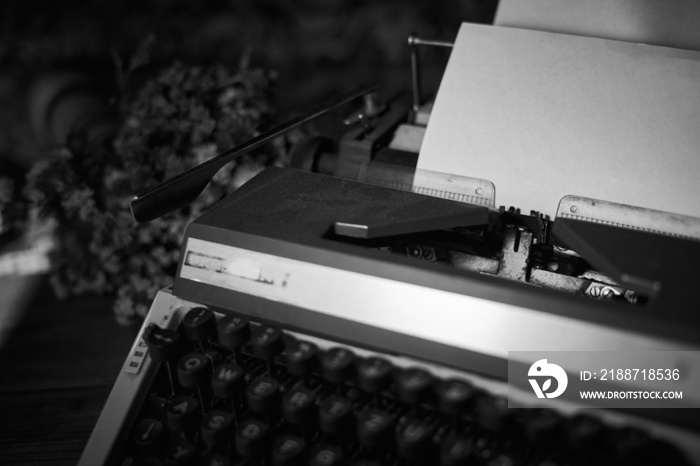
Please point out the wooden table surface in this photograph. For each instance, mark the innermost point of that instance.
(58, 361)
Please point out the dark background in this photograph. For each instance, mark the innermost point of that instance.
(317, 47)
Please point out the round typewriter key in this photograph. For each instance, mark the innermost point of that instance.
(413, 385)
(327, 455)
(216, 426)
(456, 451)
(199, 324)
(413, 438)
(193, 370)
(148, 435)
(455, 396)
(148, 461)
(374, 427)
(252, 437)
(543, 425)
(182, 413)
(180, 453)
(633, 446)
(302, 357)
(492, 413)
(335, 415)
(298, 405)
(374, 374)
(338, 364)
(162, 343)
(263, 395)
(267, 342)
(585, 432)
(227, 380)
(289, 450)
(234, 331)
(215, 459)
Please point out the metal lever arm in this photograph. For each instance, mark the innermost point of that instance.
(184, 188)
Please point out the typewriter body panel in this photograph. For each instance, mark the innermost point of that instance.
(270, 254)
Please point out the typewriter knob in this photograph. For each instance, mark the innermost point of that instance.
(327, 455)
(374, 374)
(199, 324)
(298, 405)
(456, 451)
(267, 342)
(252, 437)
(216, 427)
(227, 380)
(413, 385)
(263, 395)
(455, 396)
(193, 370)
(338, 364)
(289, 450)
(301, 357)
(162, 343)
(148, 435)
(182, 412)
(335, 415)
(413, 439)
(234, 331)
(374, 428)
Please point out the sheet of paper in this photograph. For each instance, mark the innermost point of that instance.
(543, 115)
(658, 22)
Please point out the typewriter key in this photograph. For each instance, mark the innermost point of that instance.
(327, 455)
(338, 364)
(289, 450)
(199, 324)
(492, 413)
(335, 415)
(543, 425)
(234, 331)
(193, 370)
(148, 461)
(301, 357)
(585, 432)
(182, 413)
(148, 435)
(267, 342)
(413, 439)
(252, 437)
(263, 395)
(374, 428)
(413, 385)
(216, 427)
(455, 396)
(180, 453)
(298, 405)
(227, 380)
(374, 374)
(456, 451)
(215, 459)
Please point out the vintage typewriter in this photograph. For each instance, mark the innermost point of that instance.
(356, 310)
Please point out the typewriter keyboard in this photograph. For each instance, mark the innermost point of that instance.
(232, 392)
